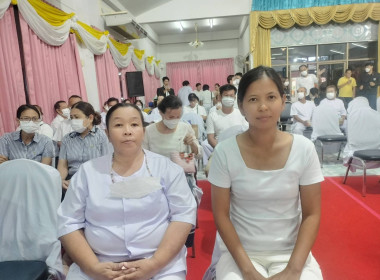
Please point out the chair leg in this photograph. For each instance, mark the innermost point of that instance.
(348, 168)
(321, 154)
(364, 189)
(340, 150)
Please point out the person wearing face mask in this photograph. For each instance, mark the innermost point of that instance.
(27, 143)
(154, 115)
(86, 141)
(194, 107)
(44, 128)
(287, 87)
(301, 111)
(198, 91)
(171, 134)
(347, 87)
(228, 116)
(63, 113)
(112, 101)
(306, 80)
(368, 84)
(336, 103)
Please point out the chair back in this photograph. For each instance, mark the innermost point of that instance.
(285, 114)
(325, 121)
(30, 195)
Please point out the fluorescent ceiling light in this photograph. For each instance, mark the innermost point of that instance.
(211, 21)
(277, 54)
(335, 51)
(358, 45)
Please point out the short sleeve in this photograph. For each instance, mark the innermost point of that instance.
(315, 79)
(49, 149)
(293, 110)
(210, 124)
(63, 150)
(312, 172)
(203, 111)
(58, 135)
(340, 81)
(105, 144)
(4, 146)
(71, 212)
(353, 82)
(218, 174)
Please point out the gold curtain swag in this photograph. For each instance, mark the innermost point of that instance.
(261, 22)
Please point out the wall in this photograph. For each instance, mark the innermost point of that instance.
(210, 50)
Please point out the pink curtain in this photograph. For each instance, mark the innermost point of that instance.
(12, 93)
(202, 71)
(107, 76)
(53, 73)
(151, 83)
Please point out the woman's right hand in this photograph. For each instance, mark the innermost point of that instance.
(65, 184)
(109, 270)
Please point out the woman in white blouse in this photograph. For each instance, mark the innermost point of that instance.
(127, 215)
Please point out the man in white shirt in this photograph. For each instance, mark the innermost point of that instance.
(63, 113)
(301, 111)
(155, 115)
(198, 92)
(208, 98)
(195, 107)
(336, 103)
(306, 80)
(220, 120)
(112, 101)
(184, 92)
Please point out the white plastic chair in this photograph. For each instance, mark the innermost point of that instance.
(30, 194)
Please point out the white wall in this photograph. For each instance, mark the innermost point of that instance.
(210, 50)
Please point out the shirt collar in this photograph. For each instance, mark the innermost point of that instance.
(17, 136)
(92, 132)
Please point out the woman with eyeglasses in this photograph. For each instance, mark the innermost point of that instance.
(27, 143)
(86, 141)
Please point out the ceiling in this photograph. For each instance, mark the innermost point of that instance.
(154, 13)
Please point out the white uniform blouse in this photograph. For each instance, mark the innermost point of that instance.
(120, 229)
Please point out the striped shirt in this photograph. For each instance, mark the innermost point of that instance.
(12, 147)
(77, 150)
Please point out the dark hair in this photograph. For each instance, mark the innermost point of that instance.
(229, 78)
(165, 78)
(332, 86)
(75, 96)
(169, 102)
(198, 84)
(227, 87)
(348, 69)
(123, 105)
(256, 74)
(112, 99)
(38, 108)
(314, 91)
(88, 110)
(205, 87)
(192, 96)
(239, 74)
(125, 100)
(299, 68)
(25, 107)
(185, 83)
(368, 64)
(57, 104)
(139, 101)
(217, 84)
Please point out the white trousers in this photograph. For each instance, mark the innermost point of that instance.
(267, 265)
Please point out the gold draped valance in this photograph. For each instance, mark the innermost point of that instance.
(262, 21)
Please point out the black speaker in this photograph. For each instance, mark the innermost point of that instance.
(135, 85)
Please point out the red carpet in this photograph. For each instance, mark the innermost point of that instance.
(348, 244)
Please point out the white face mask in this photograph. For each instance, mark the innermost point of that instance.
(171, 124)
(228, 101)
(367, 69)
(236, 82)
(66, 113)
(301, 95)
(77, 125)
(140, 107)
(304, 73)
(330, 95)
(286, 83)
(29, 127)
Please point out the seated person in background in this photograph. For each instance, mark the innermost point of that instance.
(217, 102)
(127, 101)
(198, 91)
(155, 115)
(301, 111)
(44, 128)
(337, 103)
(27, 142)
(140, 105)
(195, 107)
(216, 90)
(325, 121)
(85, 142)
(224, 118)
(314, 96)
(63, 113)
(208, 98)
(65, 126)
(127, 214)
(112, 101)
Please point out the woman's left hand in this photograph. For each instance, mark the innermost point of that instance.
(145, 269)
(188, 140)
(286, 274)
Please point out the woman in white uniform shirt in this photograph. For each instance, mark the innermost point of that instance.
(127, 215)
(259, 181)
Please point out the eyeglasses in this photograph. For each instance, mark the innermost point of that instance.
(27, 119)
